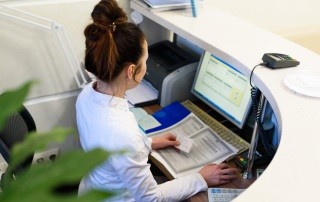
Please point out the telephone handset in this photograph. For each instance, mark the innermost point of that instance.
(278, 60)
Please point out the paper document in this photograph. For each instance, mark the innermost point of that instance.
(141, 94)
(185, 143)
(207, 147)
(168, 3)
(148, 122)
(164, 5)
(144, 120)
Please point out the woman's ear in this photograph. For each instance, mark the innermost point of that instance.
(130, 71)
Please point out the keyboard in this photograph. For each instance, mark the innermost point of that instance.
(223, 194)
(225, 133)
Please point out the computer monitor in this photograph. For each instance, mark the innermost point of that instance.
(223, 87)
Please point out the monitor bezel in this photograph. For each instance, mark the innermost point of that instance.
(214, 107)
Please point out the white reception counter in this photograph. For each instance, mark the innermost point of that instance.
(294, 173)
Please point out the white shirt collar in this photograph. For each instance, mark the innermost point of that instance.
(107, 100)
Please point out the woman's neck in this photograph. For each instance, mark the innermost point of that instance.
(109, 89)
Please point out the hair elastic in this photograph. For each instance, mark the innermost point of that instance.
(113, 26)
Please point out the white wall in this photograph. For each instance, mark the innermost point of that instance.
(297, 20)
(58, 109)
(74, 15)
(276, 15)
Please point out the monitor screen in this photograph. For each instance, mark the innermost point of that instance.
(224, 88)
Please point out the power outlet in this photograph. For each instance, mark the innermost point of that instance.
(45, 156)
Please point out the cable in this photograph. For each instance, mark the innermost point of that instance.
(255, 96)
(261, 64)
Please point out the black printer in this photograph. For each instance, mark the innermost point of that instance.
(171, 70)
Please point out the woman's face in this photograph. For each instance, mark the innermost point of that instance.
(136, 79)
(143, 61)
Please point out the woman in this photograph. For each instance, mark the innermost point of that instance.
(116, 53)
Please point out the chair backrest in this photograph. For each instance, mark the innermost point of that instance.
(16, 127)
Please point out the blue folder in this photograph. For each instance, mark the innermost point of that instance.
(169, 116)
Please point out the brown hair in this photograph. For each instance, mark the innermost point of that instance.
(111, 42)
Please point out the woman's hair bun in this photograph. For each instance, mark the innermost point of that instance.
(107, 13)
(112, 42)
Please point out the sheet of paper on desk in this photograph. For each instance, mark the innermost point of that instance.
(138, 112)
(148, 122)
(164, 5)
(143, 93)
(145, 121)
(207, 147)
(169, 3)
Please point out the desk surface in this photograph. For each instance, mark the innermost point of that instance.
(239, 182)
(289, 177)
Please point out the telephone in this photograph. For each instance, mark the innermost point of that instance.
(278, 60)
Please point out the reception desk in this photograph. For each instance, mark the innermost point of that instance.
(294, 173)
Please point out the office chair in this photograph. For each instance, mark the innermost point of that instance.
(16, 127)
(4, 151)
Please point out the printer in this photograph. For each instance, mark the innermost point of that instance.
(170, 70)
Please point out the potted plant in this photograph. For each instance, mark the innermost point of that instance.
(45, 182)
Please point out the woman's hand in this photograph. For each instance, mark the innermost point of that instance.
(165, 140)
(216, 174)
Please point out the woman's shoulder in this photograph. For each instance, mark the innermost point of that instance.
(129, 137)
(85, 91)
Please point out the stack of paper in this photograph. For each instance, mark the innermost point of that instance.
(164, 5)
(199, 144)
(167, 3)
(143, 94)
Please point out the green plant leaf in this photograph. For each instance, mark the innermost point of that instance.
(37, 141)
(11, 100)
(41, 182)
